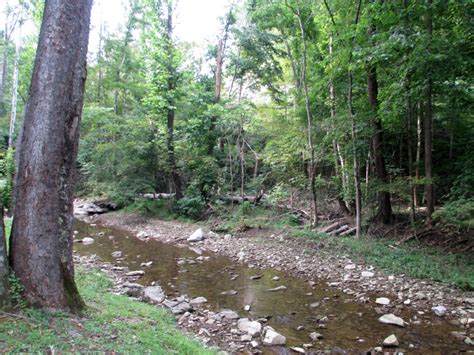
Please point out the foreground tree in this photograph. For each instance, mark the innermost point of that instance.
(41, 245)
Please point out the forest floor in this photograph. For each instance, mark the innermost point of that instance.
(111, 323)
(362, 270)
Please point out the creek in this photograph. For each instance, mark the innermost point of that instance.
(345, 324)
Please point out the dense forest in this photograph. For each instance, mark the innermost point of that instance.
(357, 108)
(309, 159)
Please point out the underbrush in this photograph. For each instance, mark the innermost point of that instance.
(411, 258)
(111, 323)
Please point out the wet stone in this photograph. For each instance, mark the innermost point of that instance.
(392, 319)
(391, 341)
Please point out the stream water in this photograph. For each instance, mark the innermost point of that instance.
(350, 326)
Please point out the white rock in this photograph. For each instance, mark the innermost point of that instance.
(383, 301)
(298, 350)
(392, 319)
(87, 241)
(314, 336)
(271, 337)
(350, 267)
(250, 327)
(254, 344)
(391, 340)
(198, 300)
(275, 278)
(197, 236)
(247, 308)
(142, 235)
(279, 288)
(439, 310)
(367, 274)
(116, 254)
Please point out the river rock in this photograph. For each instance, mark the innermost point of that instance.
(132, 289)
(87, 241)
(314, 336)
(275, 278)
(178, 307)
(391, 340)
(117, 254)
(197, 236)
(247, 308)
(279, 288)
(271, 337)
(153, 294)
(135, 273)
(229, 293)
(384, 301)
(350, 267)
(142, 235)
(392, 319)
(250, 327)
(228, 314)
(198, 300)
(298, 350)
(439, 310)
(245, 338)
(367, 274)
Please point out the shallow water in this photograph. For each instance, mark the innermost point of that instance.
(351, 326)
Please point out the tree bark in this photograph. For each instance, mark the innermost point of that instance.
(429, 190)
(304, 81)
(174, 175)
(419, 135)
(384, 213)
(41, 244)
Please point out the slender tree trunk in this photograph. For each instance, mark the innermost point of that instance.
(304, 81)
(16, 71)
(218, 84)
(384, 214)
(41, 244)
(429, 190)
(4, 268)
(358, 194)
(419, 137)
(3, 67)
(339, 174)
(175, 178)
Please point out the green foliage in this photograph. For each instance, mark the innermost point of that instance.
(111, 322)
(16, 291)
(7, 172)
(411, 259)
(191, 206)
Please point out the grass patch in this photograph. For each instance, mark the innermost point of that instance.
(112, 323)
(412, 258)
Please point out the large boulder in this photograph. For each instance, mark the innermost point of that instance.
(252, 328)
(271, 337)
(153, 294)
(197, 236)
(392, 319)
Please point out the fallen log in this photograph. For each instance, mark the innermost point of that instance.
(339, 230)
(158, 196)
(348, 232)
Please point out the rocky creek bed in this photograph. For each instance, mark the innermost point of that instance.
(230, 289)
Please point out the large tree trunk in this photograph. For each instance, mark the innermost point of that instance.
(384, 213)
(174, 175)
(41, 245)
(429, 191)
(4, 268)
